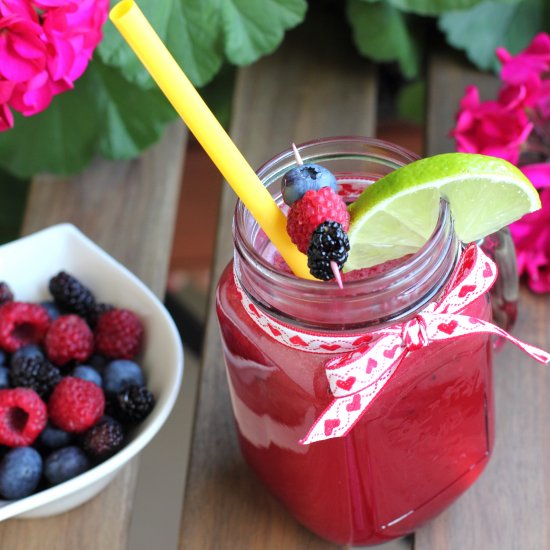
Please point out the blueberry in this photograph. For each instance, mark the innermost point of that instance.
(54, 438)
(87, 373)
(20, 472)
(32, 350)
(4, 378)
(52, 309)
(65, 464)
(302, 178)
(121, 373)
(3, 358)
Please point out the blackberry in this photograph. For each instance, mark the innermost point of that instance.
(36, 373)
(133, 404)
(71, 295)
(329, 242)
(6, 295)
(104, 439)
(32, 350)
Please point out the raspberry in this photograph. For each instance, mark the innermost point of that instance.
(22, 323)
(75, 404)
(314, 208)
(133, 404)
(118, 334)
(36, 373)
(23, 416)
(71, 295)
(104, 439)
(69, 338)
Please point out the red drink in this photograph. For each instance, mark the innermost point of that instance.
(426, 437)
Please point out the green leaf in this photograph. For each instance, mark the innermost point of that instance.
(104, 113)
(198, 33)
(12, 207)
(382, 33)
(411, 102)
(61, 139)
(191, 30)
(512, 26)
(436, 7)
(132, 118)
(218, 94)
(254, 28)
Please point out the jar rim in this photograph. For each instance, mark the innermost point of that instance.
(422, 274)
(267, 268)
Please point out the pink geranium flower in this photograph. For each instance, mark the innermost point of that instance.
(516, 127)
(490, 128)
(45, 45)
(533, 61)
(531, 236)
(22, 52)
(523, 73)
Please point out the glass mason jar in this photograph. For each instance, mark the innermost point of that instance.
(429, 433)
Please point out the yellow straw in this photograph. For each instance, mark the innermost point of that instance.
(142, 38)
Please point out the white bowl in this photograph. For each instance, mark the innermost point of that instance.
(27, 265)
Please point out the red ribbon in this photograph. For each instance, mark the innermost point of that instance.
(357, 376)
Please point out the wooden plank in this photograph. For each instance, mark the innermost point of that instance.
(509, 506)
(448, 77)
(128, 208)
(306, 90)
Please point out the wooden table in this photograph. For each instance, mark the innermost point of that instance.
(306, 90)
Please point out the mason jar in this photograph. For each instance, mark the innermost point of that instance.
(428, 434)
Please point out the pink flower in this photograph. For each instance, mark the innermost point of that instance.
(490, 128)
(523, 73)
(533, 61)
(45, 45)
(6, 116)
(518, 122)
(73, 30)
(34, 95)
(22, 52)
(538, 174)
(531, 236)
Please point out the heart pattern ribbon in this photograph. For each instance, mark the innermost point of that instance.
(367, 362)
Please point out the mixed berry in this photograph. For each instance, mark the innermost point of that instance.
(70, 385)
(318, 218)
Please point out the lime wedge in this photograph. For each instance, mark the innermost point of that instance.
(397, 214)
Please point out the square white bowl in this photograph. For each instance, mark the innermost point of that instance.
(26, 265)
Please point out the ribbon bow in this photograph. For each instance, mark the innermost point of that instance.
(358, 376)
